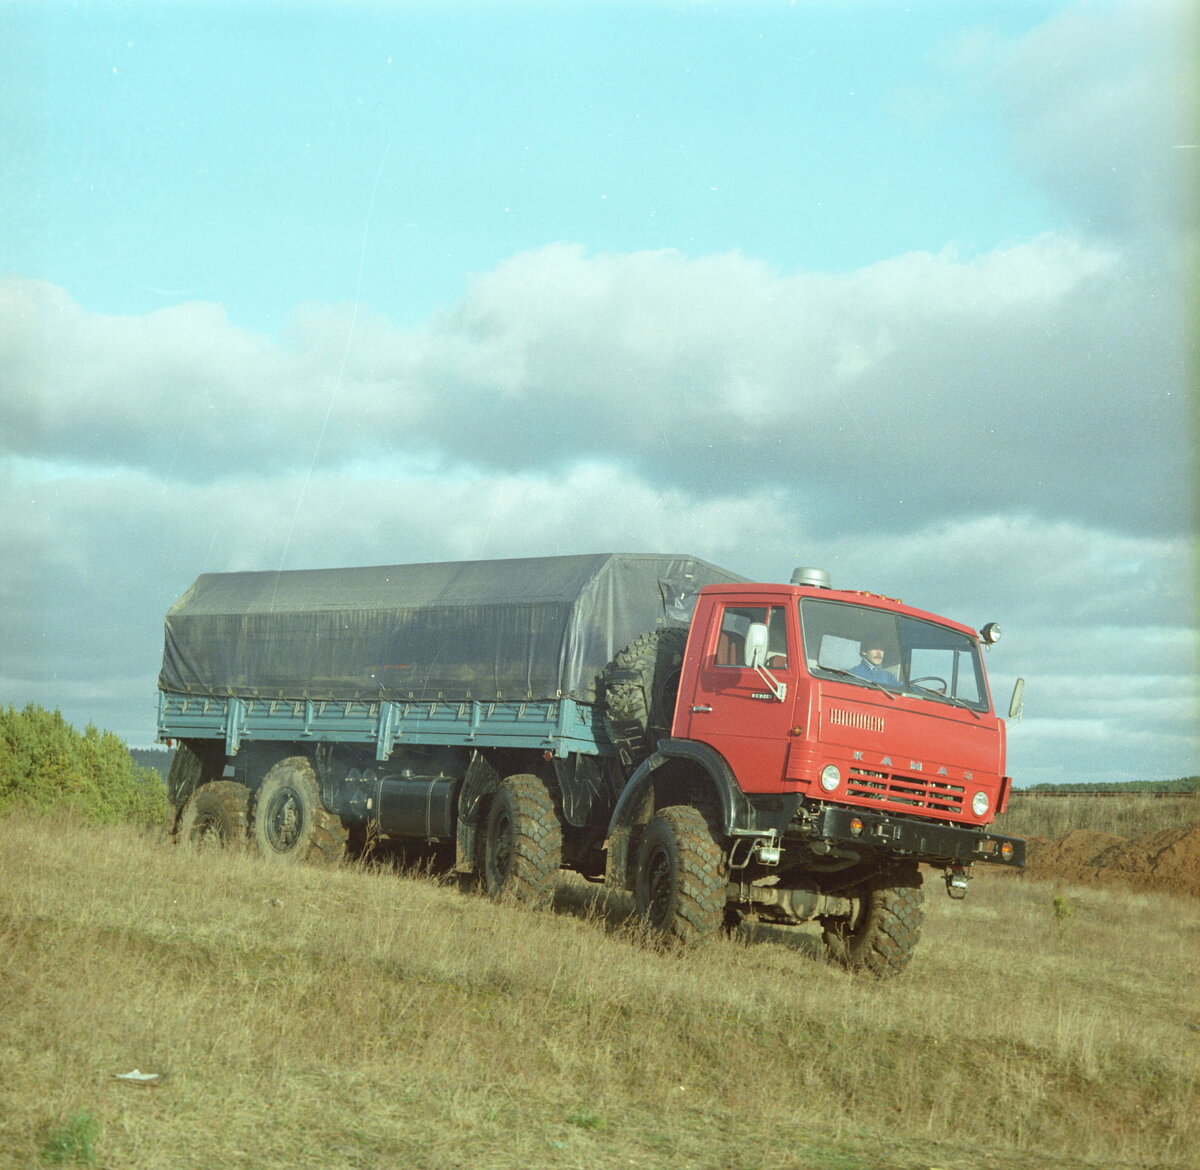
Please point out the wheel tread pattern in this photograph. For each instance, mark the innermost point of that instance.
(889, 929)
(228, 801)
(327, 835)
(536, 854)
(638, 704)
(700, 887)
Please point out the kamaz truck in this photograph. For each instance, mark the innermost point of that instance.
(719, 748)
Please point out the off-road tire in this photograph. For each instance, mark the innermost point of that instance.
(522, 842)
(216, 815)
(882, 933)
(679, 884)
(290, 823)
(192, 766)
(639, 691)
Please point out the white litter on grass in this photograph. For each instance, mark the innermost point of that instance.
(139, 1077)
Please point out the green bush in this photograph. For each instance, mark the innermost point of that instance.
(73, 1141)
(46, 765)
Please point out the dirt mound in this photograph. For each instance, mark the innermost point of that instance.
(1168, 860)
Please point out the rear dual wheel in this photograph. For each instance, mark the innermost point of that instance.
(215, 816)
(291, 823)
(522, 848)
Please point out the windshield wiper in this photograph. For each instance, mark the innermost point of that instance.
(943, 698)
(858, 678)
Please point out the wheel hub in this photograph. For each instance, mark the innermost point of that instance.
(502, 849)
(660, 887)
(284, 820)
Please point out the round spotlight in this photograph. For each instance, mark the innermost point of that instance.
(830, 777)
(990, 634)
(980, 803)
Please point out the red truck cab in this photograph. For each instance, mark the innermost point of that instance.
(779, 681)
(825, 745)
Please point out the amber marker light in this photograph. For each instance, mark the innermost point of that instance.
(1006, 850)
(856, 826)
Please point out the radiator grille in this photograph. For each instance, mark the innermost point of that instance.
(913, 791)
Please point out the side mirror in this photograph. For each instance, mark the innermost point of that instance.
(757, 638)
(1017, 703)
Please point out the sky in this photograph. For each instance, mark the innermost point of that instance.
(898, 290)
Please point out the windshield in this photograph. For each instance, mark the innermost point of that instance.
(872, 647)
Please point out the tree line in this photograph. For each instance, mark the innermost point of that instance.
(1183, 784)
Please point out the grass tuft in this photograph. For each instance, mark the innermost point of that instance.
(1064, 911)
(74, 1141)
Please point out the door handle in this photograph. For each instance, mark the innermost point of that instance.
(701, 710)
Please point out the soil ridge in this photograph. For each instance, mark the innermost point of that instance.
(1166, 860)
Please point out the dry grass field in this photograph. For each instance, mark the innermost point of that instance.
(368, 1018)
(1129, 815)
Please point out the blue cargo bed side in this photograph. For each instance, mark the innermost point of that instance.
(558, 726)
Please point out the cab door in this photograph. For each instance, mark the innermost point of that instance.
(735, 708)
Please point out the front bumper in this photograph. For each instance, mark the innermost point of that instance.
(934, 844)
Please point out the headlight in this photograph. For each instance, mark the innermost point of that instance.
(830, 777)
(980, 803)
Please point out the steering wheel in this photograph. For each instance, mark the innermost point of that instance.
(930, 678)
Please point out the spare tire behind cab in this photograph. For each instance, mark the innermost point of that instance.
(639, 691)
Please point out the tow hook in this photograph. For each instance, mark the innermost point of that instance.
(956, 881)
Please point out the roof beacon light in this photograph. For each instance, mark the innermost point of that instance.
(813, 578)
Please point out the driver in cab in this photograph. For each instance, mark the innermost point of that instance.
(871, 653)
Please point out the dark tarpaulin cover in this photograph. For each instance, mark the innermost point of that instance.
(536, 628)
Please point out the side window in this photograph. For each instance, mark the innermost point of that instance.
(736, 621)
(777, 643)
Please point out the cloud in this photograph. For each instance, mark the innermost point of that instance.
(1096, 621)
(1053, 576)
(1099, 100)
(922, 386)
(918, 386)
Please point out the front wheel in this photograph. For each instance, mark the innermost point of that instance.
(215, 816)
(522, 848)
(884, 926)
(679, 884)
(290, 821)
